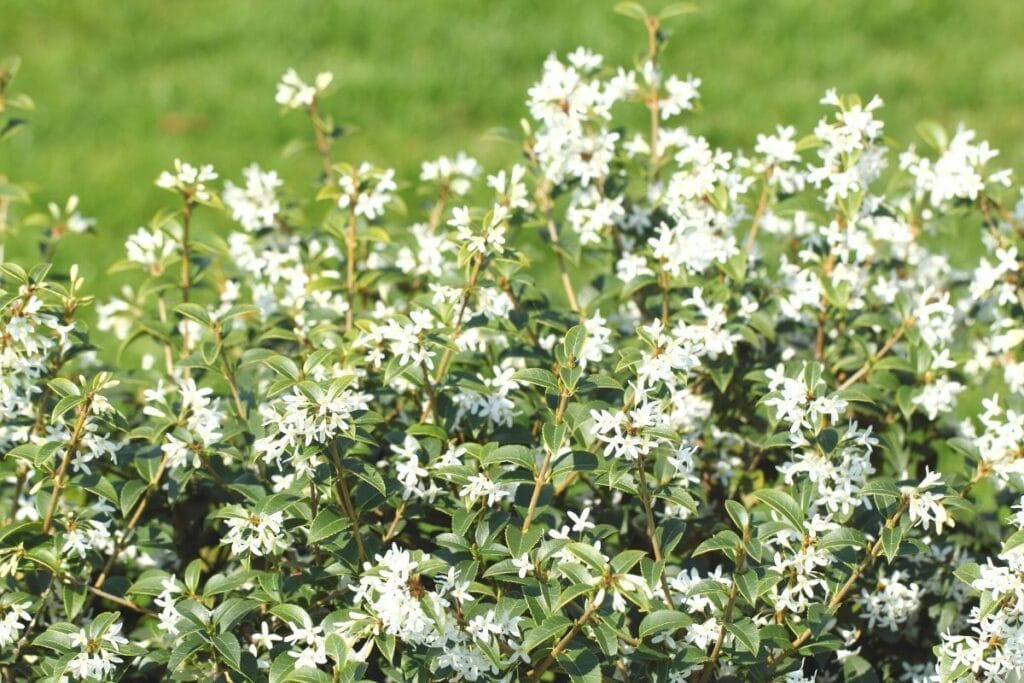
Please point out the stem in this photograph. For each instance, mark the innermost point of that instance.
(734, 589)
(119, 601)
(762, 205)
(323, 145)
(542, 473)
(886, 348)
(560, 259)
(345, 500)
(350, 267)
(161, 307)
(229, 375)
(119, 545)
(592, 607)
(645, 497)
(393, 528)
(442, 367)
(60, 478)
(663, 283)
(840, 595)
(653, 100)
(186, 255)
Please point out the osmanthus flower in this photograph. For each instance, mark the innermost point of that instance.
(14, 618)
(1000, 441)
(959, 172)
(68, 218)
(454, 175)
(891, 604)
(256, 205)
(255, 533)
(488, 238)
(308, 643)
(511, 188)
(307, 415)
(151, 249)
(925, 504)
(99, 653)
(367, 190)
(197, 420)
(294, 93)
(188, 180)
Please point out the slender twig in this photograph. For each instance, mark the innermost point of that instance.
(841, 594)
(393, 527)
(734, 589)
(442, 367)
(323, 145)
(186, 251)
(229, 375)
(545, 466)
(538, 671)
(350, 267)
(121, 543)
(762, 205)
(654, 98)
(161, 307)
(886, 348)
(345, 500)
(60, 478)
(652, 535)
(556, 244)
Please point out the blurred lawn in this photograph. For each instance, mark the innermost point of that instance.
(123, 88)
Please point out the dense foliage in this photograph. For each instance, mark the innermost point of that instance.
(634, 409)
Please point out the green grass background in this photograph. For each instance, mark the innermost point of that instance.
(124, 87)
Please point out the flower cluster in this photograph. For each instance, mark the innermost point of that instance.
(633, 408)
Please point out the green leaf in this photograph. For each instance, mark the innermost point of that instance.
(539, 377)
(725, 540)
(185, 649)
(130, 493)
(193, 312)
(73, 598)
(663, 620)
(828, 439)
(676, 9)
(64, 405)
(327, 525)
(969, 572)
(589, 554)
(745, 632)
(626, 560)
(192, 573)
(512, 454)
(581, 665)
(285, 367)
(293, 614)
(737, 513)
(933, 134)
(575, 338)
(782, 503)
(633, 10)
(552, 627)
(228, 648)
(891, 539)
(64, 387)
(518, 542)
(843, 537)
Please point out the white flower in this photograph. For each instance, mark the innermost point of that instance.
(188, 180)
(294, 93)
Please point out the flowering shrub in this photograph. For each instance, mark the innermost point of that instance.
(636, 408)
